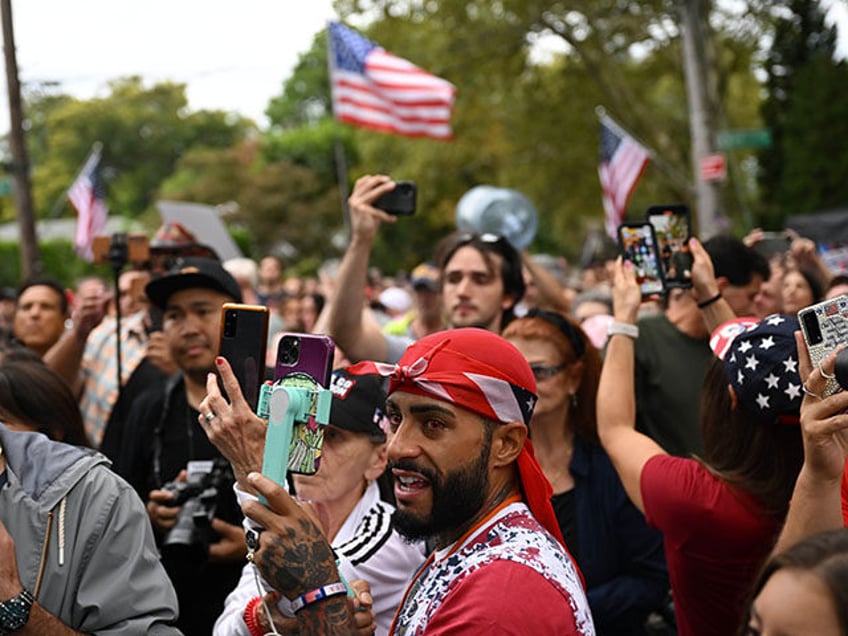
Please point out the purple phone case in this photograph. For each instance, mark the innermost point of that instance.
(315, 360)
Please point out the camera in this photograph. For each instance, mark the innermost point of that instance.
(191, 535)
(289, 352)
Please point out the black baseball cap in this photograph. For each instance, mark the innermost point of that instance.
(192, 273)
(359, 403)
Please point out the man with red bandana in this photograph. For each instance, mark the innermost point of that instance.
(466, 477)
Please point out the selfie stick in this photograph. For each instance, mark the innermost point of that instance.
(285, 406)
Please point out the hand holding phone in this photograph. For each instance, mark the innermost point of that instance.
(401, 201)
(638, 244)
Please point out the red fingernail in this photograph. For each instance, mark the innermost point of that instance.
(219, 360)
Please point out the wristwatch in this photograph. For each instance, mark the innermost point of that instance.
(14, 613)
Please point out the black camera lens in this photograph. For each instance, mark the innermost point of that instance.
(811, 326)
(230, 323)
(289, 350)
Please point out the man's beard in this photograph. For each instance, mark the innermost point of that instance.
(457, 498)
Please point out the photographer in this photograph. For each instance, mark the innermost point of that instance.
(164, 445)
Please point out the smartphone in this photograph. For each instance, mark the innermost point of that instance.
(638, 244)
(305, 360)
(673, 229)
(244, 337)
(825, 327)
(400, 201)
(772, 243)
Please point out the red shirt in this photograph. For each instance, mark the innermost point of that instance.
(716, 539)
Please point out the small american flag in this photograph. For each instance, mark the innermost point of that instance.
(622, 161)
(374, 89)
(88, 195)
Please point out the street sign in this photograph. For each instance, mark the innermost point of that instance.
(744, 138)
(713, 167)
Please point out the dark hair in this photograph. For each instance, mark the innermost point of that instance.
(826, 556)
(760, 457)
(812, 281)
(839, 279)
(735, 261)
(34, 395)
(572, 344)
(487, 244)
(44, 281)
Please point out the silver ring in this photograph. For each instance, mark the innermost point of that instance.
(829, 376)
(209, 416)
(810, 393)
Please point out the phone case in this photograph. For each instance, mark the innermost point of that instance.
(244, 338)
(638, 244)
(400, 201)
(673, 229)
(310, 368)
(825, 327)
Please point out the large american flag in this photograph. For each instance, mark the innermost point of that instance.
(375, 89)
(622, 161)
(88, 195)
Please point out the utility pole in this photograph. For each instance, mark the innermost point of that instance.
(701, 115)
(30, 252)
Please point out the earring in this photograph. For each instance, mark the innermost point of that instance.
(573, 400)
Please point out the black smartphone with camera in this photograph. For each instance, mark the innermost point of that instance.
(305, 360)
(673, 229)
(401, 201)
(244, 338)
(772, 243)
(825, 327)
(638, 244)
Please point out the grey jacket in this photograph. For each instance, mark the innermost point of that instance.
(83, 541)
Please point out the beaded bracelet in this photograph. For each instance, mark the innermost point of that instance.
(251, 617)
(333, 589)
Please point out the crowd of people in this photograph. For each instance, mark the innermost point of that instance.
(512, 445)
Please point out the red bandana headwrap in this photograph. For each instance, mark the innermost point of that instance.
(479, 371)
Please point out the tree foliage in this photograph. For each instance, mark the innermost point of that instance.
(806, 111)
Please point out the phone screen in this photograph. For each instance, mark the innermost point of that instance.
(673, 229)
(638, 244)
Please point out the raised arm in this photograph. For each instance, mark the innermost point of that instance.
(705, 289)
(359, 338)
(628, 449)
(816, 500)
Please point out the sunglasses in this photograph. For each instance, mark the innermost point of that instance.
(542, 372)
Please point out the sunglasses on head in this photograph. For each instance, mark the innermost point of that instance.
(565, 326)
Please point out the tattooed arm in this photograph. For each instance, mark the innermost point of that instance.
(295, 558)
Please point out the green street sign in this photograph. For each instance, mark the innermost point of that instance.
(744, 138)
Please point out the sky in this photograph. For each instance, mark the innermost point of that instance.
(233, 56)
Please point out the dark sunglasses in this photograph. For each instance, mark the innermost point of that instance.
(542, 372)
(569, 329)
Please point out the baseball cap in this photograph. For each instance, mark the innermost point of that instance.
(358, 403)
(761, 362)
(425, 275)
(395, 298)
(192, 273)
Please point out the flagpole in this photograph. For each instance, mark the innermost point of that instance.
(338, 146)
(665, 167)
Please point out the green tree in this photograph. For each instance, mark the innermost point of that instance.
(144, 131)
(806, 111)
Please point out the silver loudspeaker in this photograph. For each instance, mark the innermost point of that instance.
(501, 211)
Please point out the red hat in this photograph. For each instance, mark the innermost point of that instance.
(477, 370)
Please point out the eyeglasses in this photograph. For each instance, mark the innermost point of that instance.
(542, 372)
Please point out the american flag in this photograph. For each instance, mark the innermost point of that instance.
(622, 161)
(375, 89)
(88, 195)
